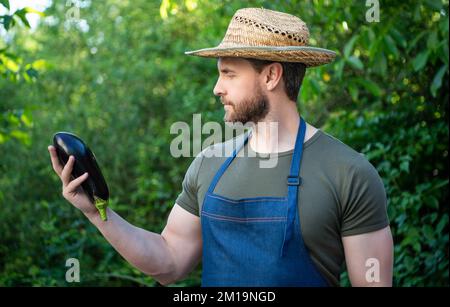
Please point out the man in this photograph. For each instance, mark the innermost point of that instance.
(293, 224)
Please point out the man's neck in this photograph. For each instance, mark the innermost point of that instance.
(277, 132)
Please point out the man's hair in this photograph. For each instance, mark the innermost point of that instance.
(293, 74)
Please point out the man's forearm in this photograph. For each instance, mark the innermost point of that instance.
(145, 250)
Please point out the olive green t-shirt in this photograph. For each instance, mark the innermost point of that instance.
(341, 192)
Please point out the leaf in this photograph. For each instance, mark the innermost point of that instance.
(11, 64)
(339, 69)
(416, 39)
(437, 80)
(33, 11)
(2, 138)
(32, 73)
(13, 119)
(446, 54)
(380, 66)
(391, 46)
(420, 60)
(416, 246)
(354, 92)
(21, 14)
(428, 232)
(315, 86)
(433, 216)
(5, 3)
(444, 26)
(11, 56)
(348, 48)
(21, 136)
(8, 22)
(39, 64)
(370, 86)
(165, 5)
(432, 202)
(432, 41)
(416, 14)
(442, 223)
(355, 62)
(433, 4)
(26, 120)
(305, 93)
(375, 47)
(398, 37)
(439, 185)
(423, 187)
(404, 166)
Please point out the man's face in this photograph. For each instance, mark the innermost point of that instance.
(240, 91)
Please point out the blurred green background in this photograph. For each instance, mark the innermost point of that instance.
(114, 72)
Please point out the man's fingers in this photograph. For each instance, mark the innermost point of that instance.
(57, 167)
(67, 170)
(73, 185)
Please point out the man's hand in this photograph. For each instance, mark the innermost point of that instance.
(71, 190)
(369, 258)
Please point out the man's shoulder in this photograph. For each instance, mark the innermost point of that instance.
(222, 150)
(349, 169)
(338, 152)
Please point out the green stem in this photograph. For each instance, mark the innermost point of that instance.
(101, 205)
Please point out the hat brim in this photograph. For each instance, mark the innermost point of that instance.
(310, 56)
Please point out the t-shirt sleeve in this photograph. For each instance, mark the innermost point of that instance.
(364, 202)
(188, 198)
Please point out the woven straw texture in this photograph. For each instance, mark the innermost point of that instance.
(268, 35)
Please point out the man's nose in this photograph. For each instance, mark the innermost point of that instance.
(218, 89)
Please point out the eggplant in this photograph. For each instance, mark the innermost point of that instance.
(94, 186)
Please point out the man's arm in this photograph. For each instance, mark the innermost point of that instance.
(168, 256)
(369, 258)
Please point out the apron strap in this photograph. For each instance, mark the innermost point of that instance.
(225, 165)
(293, 182)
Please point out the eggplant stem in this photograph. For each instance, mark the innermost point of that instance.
(101, 205)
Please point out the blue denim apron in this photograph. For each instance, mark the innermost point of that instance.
(256, 241)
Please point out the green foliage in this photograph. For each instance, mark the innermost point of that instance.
(14, 122)
(401, 125)
(121, 82)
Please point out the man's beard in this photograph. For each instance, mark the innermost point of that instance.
(249, 110)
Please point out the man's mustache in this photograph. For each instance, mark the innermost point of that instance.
(224, 102)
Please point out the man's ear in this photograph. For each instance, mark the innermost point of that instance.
(272, 75)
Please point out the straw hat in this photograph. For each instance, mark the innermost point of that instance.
(264, 34)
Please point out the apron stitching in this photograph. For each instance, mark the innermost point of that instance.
(250, 219)
(252, 199)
